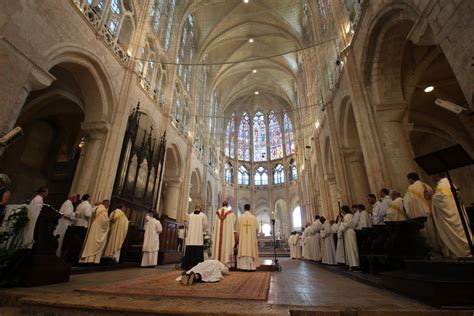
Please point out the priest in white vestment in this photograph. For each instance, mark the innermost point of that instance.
(223, 239)
(194, 251)
(83, 212)
(66, 220)
(329, 250)
(310, 243)
(385, 201)
(340, 255)
(349, 237)
(151, 240)
(291, 245)
(247, 227)
(118, 231)
(396, 211)
(365, 220)
(447, 221)
(304, 246)
(317, 256)
(96, 235)
(356, 217)
(297, 245)
(417, 203)
(377, 216)
(41, 194)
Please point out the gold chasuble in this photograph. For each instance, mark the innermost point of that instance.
(247, 227)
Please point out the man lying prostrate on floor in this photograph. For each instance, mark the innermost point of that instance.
(207, 271)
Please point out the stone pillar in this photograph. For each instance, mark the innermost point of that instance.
(173, 192)
(85, 179)
(333, 210)
(397, 145)
(359, 182)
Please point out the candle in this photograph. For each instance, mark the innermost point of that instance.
(273, 214)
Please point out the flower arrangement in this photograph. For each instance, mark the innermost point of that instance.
(207, 241)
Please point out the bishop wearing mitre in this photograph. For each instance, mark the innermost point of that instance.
(247, 227)
(223, 238)
(118, 232)
(96, 235)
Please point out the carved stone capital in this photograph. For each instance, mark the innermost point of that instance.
(95, 129)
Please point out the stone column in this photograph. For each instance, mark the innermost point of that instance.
(396, 144)
(359, 182)
(173, 192)
(333, 210)
(85, 179)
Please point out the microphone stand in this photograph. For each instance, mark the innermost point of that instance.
(275, 264)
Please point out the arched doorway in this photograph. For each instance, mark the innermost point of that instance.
(172, 183)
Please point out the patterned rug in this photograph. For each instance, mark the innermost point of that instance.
(236, 285)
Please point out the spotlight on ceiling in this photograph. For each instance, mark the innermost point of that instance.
(256, 92)
(254, 71)
(428, 89)
(250, 40)
(246, 1)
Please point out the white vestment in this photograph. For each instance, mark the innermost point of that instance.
(329, 252)
(37, 200)
(151, 241)
(223, 241)
(377, 216)
(292, 246)
(297, 246)
(67, 212)
(340, 256)
(197, 226)
(355, 221)
(83, 214)
(118, 232)
(350, 241)
(416, 205)
(447, 222)
(310, 243)
(396, 212)
(384, 205)
(317, 240)
(96, 236)
(210, 270)
(247, 227)
(364, 220)
(304, 243)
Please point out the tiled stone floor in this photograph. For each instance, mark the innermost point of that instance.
(300, 285)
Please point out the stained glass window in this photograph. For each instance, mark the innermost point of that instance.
(276, 143)
(113, 26)
(244, 138)
(213, 115)
(259, 138)
(243, 177)
(229, 172)
(115, 7)
(169, 23)
(278, 174)
(289, 136)
(156, 11)
(293, 173)
(261, 176)
(230, 138)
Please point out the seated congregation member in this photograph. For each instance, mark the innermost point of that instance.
(118, 232)
(350, 241)
(194, 251)
(327, 240)
(96, 235)
(417, 203)
(207, 271)
(151, 240)
(396, 211)
(365, 220)
(450, 231)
